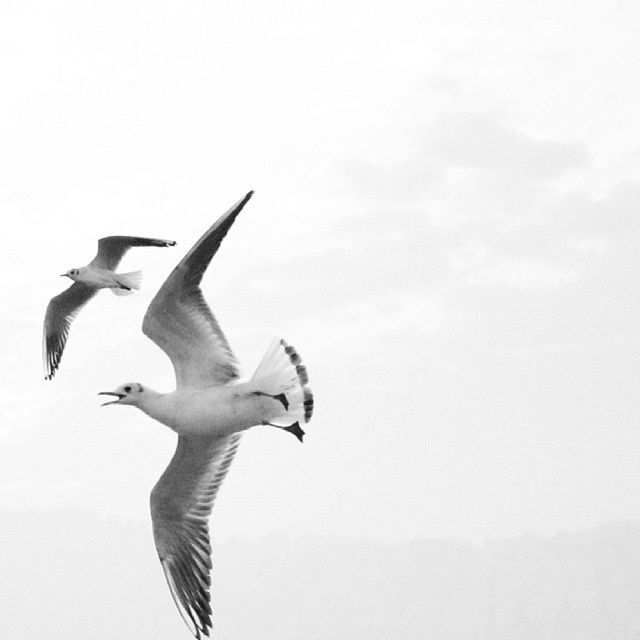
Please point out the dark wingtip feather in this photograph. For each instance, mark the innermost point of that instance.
(308, 404)
(152, 242)
(292, 353)
(303, 377)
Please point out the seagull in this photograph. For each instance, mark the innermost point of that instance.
(98, 274)
(209, 410)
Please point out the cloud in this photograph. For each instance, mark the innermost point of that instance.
(494, 210)
(399, 181)
(458, 158)
(365, 324)
(523, 274)
(614, 213)
(479, 140)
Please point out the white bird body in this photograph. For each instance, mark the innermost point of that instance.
(208, 410)
(99, 278)
(213, 411)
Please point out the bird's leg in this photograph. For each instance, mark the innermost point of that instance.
(294, 428)
(280, 397)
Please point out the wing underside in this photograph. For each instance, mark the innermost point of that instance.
(180, 322)
(61, 311)
(181, 504)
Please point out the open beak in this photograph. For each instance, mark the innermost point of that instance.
(64, 275)
(118, 396)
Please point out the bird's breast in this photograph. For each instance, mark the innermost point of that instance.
(218, 410)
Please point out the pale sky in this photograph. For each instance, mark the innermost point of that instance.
(446, 225)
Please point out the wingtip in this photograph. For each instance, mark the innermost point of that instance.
(50, 372)
(240, 204)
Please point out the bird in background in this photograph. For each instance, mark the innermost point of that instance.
(87, 281)
(209, 410)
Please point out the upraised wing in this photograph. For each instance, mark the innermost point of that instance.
(180, 322)
(111, 249)
(61, 311)
(181, 504)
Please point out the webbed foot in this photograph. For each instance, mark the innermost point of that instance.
(280, 398)
(294, 428)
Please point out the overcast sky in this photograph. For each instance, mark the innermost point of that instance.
(445, 225)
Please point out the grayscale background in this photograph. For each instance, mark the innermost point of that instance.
(446, 225)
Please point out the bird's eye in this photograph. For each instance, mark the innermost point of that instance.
(127, 389)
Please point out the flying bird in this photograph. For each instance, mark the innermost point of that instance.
(209, 410)
(98, 274)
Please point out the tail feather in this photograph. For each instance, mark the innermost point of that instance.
(129, 282)
(281, 372)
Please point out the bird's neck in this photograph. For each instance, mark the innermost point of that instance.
(157, 405)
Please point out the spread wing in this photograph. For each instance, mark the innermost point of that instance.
(61, 311)
(179, 321)
(181, 504)
(111, 249)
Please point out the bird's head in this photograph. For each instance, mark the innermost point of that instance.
(127, 393)
(71, 273)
